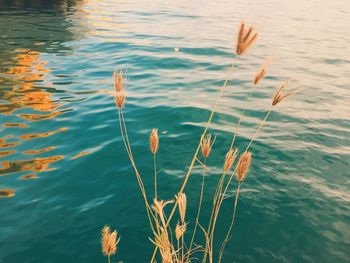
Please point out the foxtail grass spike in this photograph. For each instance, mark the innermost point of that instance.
(119, 81)
(206, 146)
(245, 39)
(229, 159)
(154, 141)
(260, 74)
(120, 99)
(180, 230)
(158, 207)
(182, 202)
(281, 94)
(109, 241)
(243, 165)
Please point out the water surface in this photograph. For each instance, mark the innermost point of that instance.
(64, 172)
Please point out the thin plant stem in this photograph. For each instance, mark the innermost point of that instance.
(252, 88)
(125, 138)
(215, 198)
(200, 204)
(221, 197)
(260, 127)
(200, 141)
(182, 249)
(249, 145)
(155, 175)
(231, 225)
(109, 259)
(178, 246)
(214, 108)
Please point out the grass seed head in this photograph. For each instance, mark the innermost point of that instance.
(119, 81)
(120, 99)
(206, 146)
(180, 230)
(109, 241)
(182, 202)
(243, 165)
(260, 74)
(281, 94)
(154, 141)
(230, 158)
(245, 39)
(158, 207)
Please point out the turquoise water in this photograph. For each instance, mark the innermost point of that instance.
(62, 159)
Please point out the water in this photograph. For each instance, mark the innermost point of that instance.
(64, 172)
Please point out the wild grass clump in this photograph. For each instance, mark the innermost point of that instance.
(170, 240)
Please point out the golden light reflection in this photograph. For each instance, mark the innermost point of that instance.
(39, 117)
(41, 135)
(43, 150)
(36, 165)
(7, 193)
(23, 87)
(22, 91)
(29, 176)
(5, 144)
(81, 154)
(29, 69)
(6, 153)
(18, 125)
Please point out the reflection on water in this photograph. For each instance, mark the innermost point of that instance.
(40, 150)
(41, 135)
(61, 6)
(29, 176)
(23, 92)
(11, 124)
(39, 117)
(23, 77)
(27, 100)
(56, 113)
(5, 144)
(5, 153)
(7, 193)
(81, 154)
(35, 165)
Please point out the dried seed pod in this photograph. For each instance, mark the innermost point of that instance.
(119, 81)
(180, 231)
(154, 141)
(260, 74)
(229, 159)
(281, 94)
(182, 202)
(120, 99)
(206, 146)
(109, 241)
(158, 207)
(245, 39)
(243, 165)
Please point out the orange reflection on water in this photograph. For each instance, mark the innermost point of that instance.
(5, 144)
(43, 150)
(36, 165)
(29, 176)
(23, 91)
(13, 124)
(41, 135)
(6, 193)
(29, 69)
(39, 117)
(81, 154)
(5, 153)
